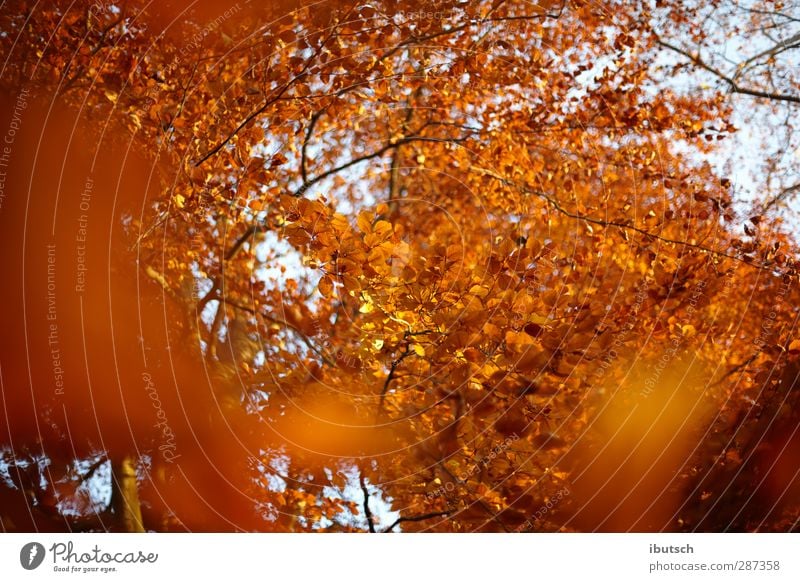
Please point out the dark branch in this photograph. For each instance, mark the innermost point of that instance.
(213, 151)
(367, 510)
(394, 175)
(282, 322)
(781, 196)
(391, 376)
(246, 236)
(734, 86)
(422, 517)
(309, 132)
(376, 154)
(286, 86)
(479, 502)
(611, 223)
(735, 369)
(93, 469)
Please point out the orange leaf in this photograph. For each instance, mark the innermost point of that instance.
(325, 286)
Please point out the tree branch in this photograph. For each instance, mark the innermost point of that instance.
(93, 468)
(611, 223)
(376, 154)
(781, 196)
(422, 517)
(305, 339)
(309, 131)
(480, 502)
(394, 175)
(735, 369)
(776, 49)
(286, 86)
(734, 86)
(232, 252)
(391, 375)
(367, 510)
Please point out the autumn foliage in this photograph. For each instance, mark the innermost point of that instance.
(389, 266)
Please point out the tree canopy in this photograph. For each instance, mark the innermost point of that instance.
(391, 266)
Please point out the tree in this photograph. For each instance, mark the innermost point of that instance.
(283, 268)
